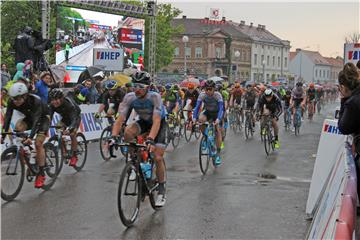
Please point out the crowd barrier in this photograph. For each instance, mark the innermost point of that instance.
(334, 211)
(60, 56)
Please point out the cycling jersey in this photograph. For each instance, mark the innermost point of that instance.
(212, 104)
(237, 94)
(250, 98)
(192, 96)
(274, 106)
(116, 99)
(225, 95)
(36, 114)
(146, 107)
(311, 93)
(286, 99)
(69, 111)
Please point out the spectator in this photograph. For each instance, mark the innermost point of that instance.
(28, 69)
(4, 97)
(24, 45)
(42, 86)
(67, 50)
(358, 64)
(19, 71)
(349, 117)
(5, 75)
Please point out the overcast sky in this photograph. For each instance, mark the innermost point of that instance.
(319, 26)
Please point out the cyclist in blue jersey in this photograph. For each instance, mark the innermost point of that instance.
(149, 107)
(214, 111)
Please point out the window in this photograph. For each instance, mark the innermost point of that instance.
(248, 59)
(176, 52)
(267, 76)
(218, 52)
(285, 64)
(273, 61)
(319, 73)
(262, 59)
(188, 52)
(328, 73)
(268, 60)
(255, 77)
(262, 46)
(198, 52)
(255, 45)
(278, 61)
(315, 72)
(268, 47)
(255, 59)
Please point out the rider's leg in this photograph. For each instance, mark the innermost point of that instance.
(276, 129)
(218, 138)
(202, 119)
(40, 151)
(130, 134)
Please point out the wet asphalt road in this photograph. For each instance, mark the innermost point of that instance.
(232, 202)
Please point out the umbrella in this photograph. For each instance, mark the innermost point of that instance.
(122, 79)
(216, 79)
(89, 72)
(58, 72)
(274, 84)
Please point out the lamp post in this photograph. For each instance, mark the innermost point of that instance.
(185, 39)
(237, 55)
(263, 64)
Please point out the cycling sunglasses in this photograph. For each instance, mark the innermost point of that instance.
(139, 86)
(209, 89)
(17, 98)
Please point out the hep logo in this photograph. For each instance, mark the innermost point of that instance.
(331, 129)
(107, 55)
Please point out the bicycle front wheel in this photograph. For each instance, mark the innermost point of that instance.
(12, 174)
(51, 165)
(81, 151)
(248, 128)
(176, 136)
(129, 194)
(267, 141)
(58, 148)
(188, 131)
(104, 146)
(204, 155)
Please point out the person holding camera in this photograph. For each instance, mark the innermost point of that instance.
(24, 46)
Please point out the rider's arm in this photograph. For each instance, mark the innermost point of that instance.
(231, 102)
(38, 111)
(156, 118)
(8, 115)
(197, 109)
(221, 110)
(279, 108)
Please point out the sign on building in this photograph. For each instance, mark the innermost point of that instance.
(112, 59)
(214, 13)
(352, 52)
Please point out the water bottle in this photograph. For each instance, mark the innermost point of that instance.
(226, 125)
(146, 169)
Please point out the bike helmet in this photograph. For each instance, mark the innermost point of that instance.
(299, 84)
(129, 84)
(219, 86)
(111, 85)
(191, 85)
(141, 77)
(168, 86)
(56, 93)
(175, 87)
(268, 92)
(18, 89)
(210, 84)
(311, 85)
(237, 85)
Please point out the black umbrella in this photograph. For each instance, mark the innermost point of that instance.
(89, 72)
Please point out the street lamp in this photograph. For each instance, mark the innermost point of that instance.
(185, 39)
(263, 63)
(237, 55)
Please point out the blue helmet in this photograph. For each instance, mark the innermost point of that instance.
(168, 86)
(111, 84)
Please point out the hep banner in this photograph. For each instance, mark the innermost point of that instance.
(352, 52)
(111, 59)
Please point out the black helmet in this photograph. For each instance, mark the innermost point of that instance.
(210, 84)
(56, 93)
(299, 84)
(141, 77)
(219, 86)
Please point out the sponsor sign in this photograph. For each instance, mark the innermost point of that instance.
(112, 59)
(100, 27)
(352, 52)
(75, 68)
(133, 36)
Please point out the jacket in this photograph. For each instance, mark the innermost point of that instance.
(349, 116)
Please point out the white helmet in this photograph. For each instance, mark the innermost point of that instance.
(268, 92)
(18, 89)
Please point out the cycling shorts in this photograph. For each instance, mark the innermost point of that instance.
(145, 127)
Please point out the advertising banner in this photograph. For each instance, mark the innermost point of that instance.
(351, 53)
(112, 59)
(133, 36)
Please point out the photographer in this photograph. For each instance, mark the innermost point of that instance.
(24, 45)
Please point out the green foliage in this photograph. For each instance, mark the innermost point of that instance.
(65, 23)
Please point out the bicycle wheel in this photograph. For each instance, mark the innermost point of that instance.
(267, 142)
(51, 165)
(196, 130)
(81, 151)
(129, 194)
(12, 174)
(204, 155)
(247, 128)
(188, 132)
(176, 135)
(104, 146)
(55, 142)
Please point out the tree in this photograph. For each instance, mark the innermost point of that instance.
(352, 38)
(164, 33)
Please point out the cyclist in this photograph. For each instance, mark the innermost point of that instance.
(250, 100)
(149, 107)
(225, 96)
(270, 102)
(235, 96)
(213, 105)
(190, 98)
(171, 99)
(286, 98)
(70, 113)
(111, 100)
(36, 118)
(298, 97)
(319, 95)
(311, 95)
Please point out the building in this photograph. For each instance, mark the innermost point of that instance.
(311, 66)
(269, 54)
(214, 48)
